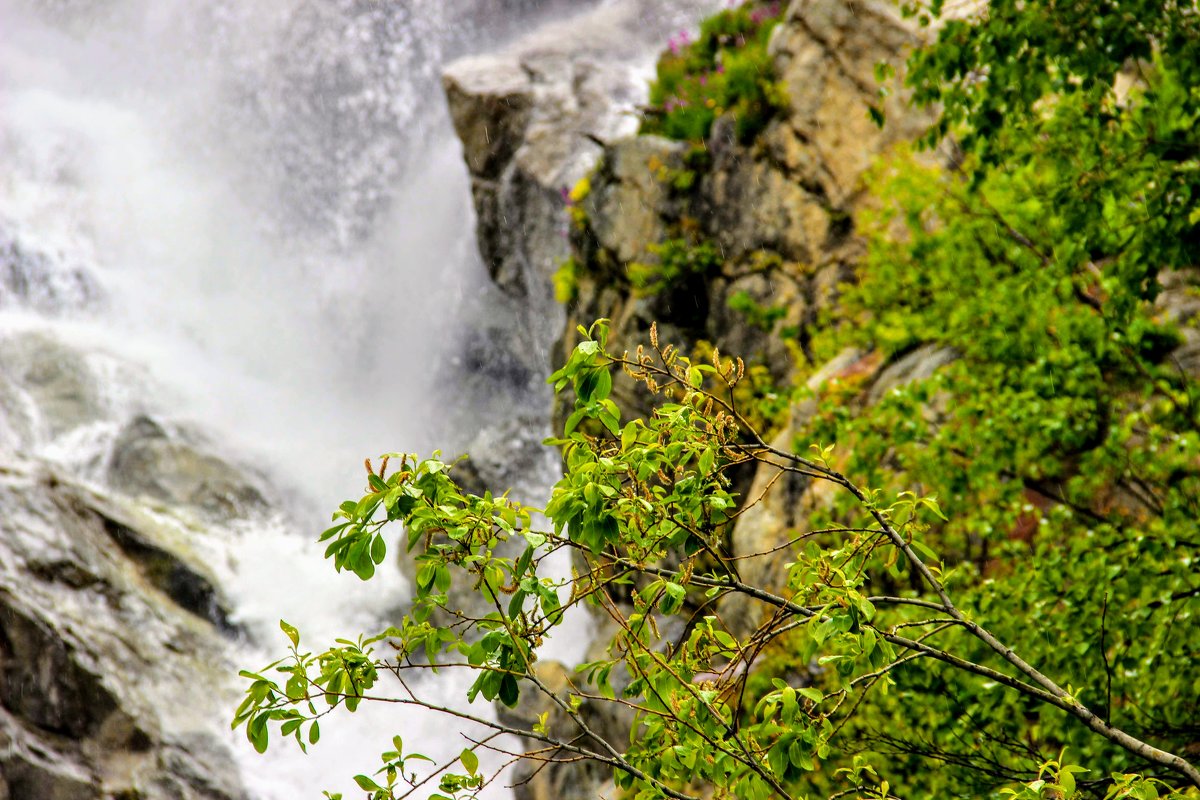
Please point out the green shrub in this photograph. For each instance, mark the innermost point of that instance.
(725, 71)
(760, 316)
(676, 258)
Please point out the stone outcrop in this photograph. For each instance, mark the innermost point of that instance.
(95, 590)
(174, 468)
(46, 387)
(30, 278)
(115, 634)
(780, 210)
(533, 120)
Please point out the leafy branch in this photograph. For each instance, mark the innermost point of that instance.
(645, 507)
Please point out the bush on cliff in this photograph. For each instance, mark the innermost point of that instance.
(727, 70)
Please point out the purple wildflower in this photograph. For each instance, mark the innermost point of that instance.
(678, 42)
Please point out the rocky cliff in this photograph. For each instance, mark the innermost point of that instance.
(765, 224)
(535, 118)
(114, 634)
(778, 211)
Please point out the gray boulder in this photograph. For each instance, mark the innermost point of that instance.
(84, 607)
(47, 387)
(177, 468)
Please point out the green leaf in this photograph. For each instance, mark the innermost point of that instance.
(673, 597)
(469, 760)
(923, 550)
(816, 695)
(628, 436)
(426, 574)
(611, 422)
(587, 384)
(366, 784)
(931, 503)
(258, 733)
(551, 606)
(1067, 782)
(331, 532)
(364, 568)
(378, 549)
(509, 691)
(603, 384)
(441, 578)
(291, 632)
(573, 421)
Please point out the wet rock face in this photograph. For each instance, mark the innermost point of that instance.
(113, 627)
(183, 582)
(491, 116)
(55, 380)
(80, 616)
(40, 681)
(33, 772)
(173, 468)
(33, 279)
(629, 206)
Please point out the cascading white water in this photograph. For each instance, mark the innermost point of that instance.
(251, 217)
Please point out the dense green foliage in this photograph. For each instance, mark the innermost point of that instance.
(727, 70)
(1063, 439)
(993, 592)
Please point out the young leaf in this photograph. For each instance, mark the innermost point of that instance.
(469, 760)
(291, 632)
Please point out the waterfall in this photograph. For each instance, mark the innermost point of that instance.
(250, 220)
